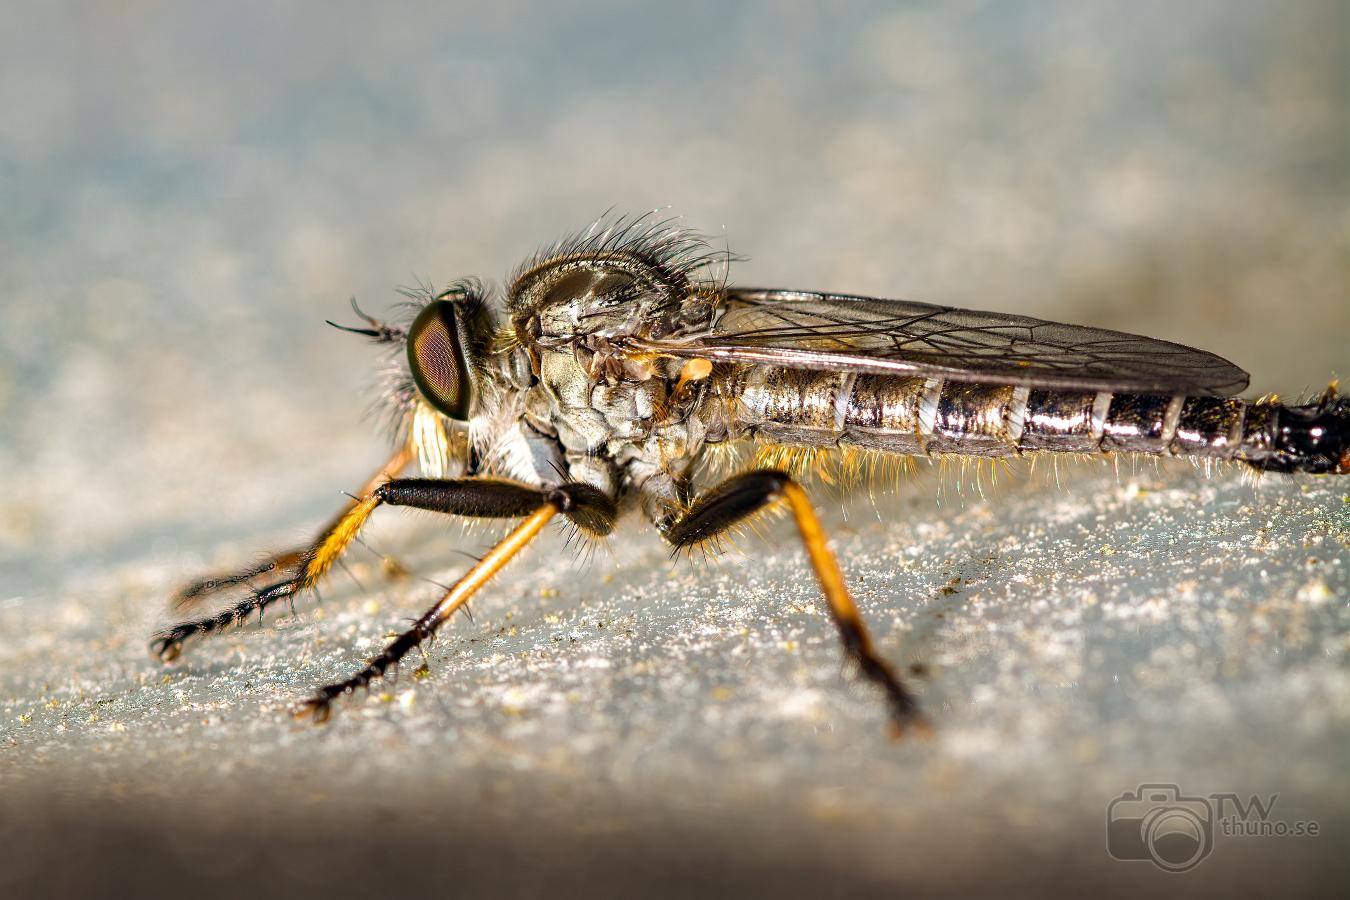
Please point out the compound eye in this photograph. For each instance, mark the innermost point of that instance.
(436, 357)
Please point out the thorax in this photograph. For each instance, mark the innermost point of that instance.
(626, 411)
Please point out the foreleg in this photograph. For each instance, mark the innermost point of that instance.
(284, 560)
(587, 507)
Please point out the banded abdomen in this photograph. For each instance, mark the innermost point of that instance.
(918, 416)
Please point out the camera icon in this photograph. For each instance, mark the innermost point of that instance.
(1158, 824)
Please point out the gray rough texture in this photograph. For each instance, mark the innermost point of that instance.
(189, 195)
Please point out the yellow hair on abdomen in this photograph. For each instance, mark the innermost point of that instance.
(843, 467)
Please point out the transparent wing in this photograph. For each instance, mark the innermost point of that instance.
(802, 329)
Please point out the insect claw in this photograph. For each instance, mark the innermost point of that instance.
(166, 648)
(316, 709)
(916, 726)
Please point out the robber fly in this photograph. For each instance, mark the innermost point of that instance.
(617, 359)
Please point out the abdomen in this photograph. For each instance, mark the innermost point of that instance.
(921, 416)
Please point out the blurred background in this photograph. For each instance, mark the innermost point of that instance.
(189, 190)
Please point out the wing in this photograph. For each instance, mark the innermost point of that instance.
(806, 330)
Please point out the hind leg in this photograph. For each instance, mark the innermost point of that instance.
(742, 496)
